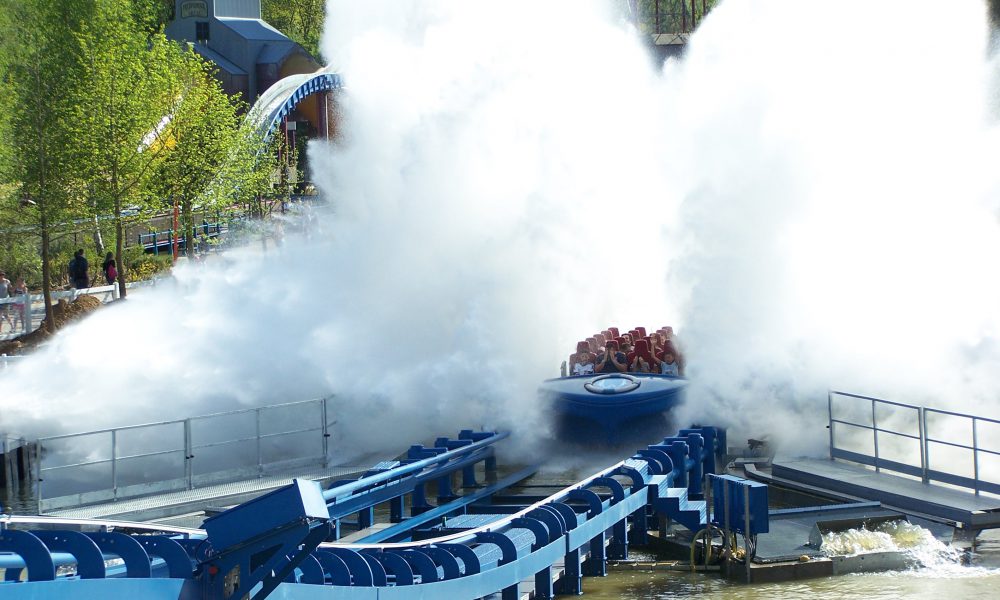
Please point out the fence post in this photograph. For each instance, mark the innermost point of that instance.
(926, 444)
(975, 452)
(260, 460)
(26, 316)
(37, 459)
(188, 455)
(922, 434)
(114, 464)
(830, 424)
(875, 434)
(326, 435)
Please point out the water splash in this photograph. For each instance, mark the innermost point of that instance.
(807, 208)
(928, 556)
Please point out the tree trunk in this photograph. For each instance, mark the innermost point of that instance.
(98, 238)
(119, 248)
(50, 321)
(187, 222)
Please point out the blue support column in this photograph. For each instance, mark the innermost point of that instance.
(678, 452)
(366, 517)
(695, 489)
(419, 504)
(543, 584)
(469, 477)
(597, 564)
(572, 579)
(618, 549)
(445, 492)
(396, 509)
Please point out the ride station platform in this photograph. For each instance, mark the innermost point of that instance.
(928, 473)
(911, 496)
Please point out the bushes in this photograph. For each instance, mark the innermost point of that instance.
(140, 266)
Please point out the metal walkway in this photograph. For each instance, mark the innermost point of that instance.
(907, 457)
(164, 505)
(901, 493)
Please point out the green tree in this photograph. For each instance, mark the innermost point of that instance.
(212, 161)
(126, 104)
(42, 69)
(300, 20)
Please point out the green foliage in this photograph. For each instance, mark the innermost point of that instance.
(100, 112)
(669, 16)
(142, 266)
(300, 20)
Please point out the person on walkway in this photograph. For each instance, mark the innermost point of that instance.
(78, 271)
(20, 291)
(5, 292)
(110, 271)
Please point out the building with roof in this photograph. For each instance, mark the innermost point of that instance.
(251, 54)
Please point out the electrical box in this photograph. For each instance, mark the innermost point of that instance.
(735, 491)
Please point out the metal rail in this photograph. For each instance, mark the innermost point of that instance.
(925, 439)
(177, 438)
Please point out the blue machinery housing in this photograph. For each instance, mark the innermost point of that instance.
(472, 545)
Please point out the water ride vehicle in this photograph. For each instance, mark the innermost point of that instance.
(619, 405)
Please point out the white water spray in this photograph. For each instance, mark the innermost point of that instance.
(807, 198)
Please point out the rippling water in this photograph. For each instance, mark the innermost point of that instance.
(979, 580)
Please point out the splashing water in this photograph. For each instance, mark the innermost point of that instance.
(808, 209)
(928, 556)
(891, 536)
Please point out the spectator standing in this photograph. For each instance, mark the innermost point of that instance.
(110, 270)
(5, 292)
(20, 292)
(78, 271)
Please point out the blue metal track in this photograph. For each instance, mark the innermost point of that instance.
(284, 544)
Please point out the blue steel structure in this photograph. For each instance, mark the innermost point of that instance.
(278, 102)
(283, 544)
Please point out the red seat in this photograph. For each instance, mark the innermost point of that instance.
(614, 331)
(642, 331)
(582, 347)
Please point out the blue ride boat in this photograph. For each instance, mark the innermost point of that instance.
(621, 406)
(617, 406)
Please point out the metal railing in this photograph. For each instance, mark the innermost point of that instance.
(153, 241)
(29, 305)
(926, 440)
(113, 464)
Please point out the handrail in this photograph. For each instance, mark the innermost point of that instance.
(180, 438)
(923, 437)
(963, 415)
(175, 421)
(420, 465)
(470, 534)
(44, 520)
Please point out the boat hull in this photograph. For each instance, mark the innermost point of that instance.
(619, 406)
